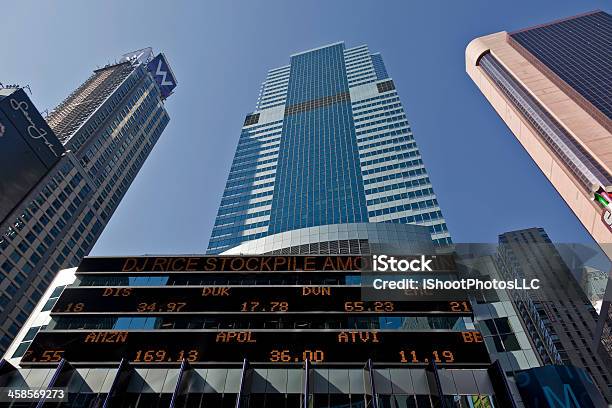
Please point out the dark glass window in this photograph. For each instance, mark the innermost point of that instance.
(7, 266)
(31, 333)
(21, 349)
(11, 290)
(49, 305)
(251, 119)
(15, 256)
(500, 331)
(385, 86)
(57, 291)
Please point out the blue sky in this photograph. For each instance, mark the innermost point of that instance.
(220, 52)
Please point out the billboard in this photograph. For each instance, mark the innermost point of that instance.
(604, 198)
(28, 148)
(162, 74)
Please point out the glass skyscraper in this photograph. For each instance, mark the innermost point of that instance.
(551, 84)
(107, 126)
(564, 309)
(328, 144)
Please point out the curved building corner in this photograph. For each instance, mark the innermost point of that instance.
(356, 238)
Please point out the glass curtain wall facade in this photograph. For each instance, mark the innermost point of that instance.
(328, 143)
(318, 180)
(572, 50)
(567, 314)
(108, 125)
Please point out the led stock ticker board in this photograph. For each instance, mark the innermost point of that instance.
(241, 299)
(123, 298)
(390, 347)
(253, 264)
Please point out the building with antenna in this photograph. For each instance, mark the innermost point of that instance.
(64, 175)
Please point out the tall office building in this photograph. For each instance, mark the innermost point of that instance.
(567, 314)
(517, 333)
(327, 145)
(551, 84)
(107, 128)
